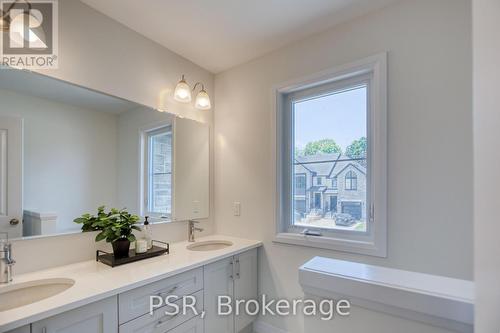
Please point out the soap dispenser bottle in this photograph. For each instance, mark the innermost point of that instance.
(148, 235)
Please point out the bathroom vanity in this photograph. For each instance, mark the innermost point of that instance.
(100, 299)
(67, 150)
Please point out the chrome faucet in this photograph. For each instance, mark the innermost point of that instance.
(6, 261)
(192, 229)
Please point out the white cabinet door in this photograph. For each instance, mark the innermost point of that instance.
(194, 325)
(11, 169)
(99, 317)
(24, 329)
(218, 281)
(245, 284)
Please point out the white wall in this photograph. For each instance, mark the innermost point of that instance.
(61, 146)
(486, 20)
(429, 134)
(191, 171)
(99, 53)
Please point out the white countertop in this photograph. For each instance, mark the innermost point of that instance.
(437, 300)
(442, 286)
(95, 281)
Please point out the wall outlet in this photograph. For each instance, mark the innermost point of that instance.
(237, 208)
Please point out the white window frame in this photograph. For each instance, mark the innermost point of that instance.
(374, 241)
(145, 134)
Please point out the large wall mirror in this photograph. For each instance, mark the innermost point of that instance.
(66, 150)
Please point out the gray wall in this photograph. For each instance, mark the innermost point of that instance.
(486, 163)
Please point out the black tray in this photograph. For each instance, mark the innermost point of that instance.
(110, 260)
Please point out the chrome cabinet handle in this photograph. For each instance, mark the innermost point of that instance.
(15, 222)
(238, 268)
(165, 320)
(231, 275)
(171, 290)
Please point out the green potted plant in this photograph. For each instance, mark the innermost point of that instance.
(115, 226)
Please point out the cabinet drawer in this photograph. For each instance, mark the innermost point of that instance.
(194, 325)
(135, 303)
(159, 322)
(24, 329)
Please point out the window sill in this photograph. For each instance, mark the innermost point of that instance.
(365, 247)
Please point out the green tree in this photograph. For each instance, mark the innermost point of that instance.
(357, 148)
(324, 146)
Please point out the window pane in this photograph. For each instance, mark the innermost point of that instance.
(160, 173)
(300, 184)
(330, 150)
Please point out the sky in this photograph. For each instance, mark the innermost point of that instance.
(341, 117)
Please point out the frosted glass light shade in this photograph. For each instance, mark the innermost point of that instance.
(182, 92)
(202, 101)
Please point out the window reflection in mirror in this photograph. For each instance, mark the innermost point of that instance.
(159, 172)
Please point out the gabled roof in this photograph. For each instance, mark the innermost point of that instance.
(329, 165)
(320, 165)
(342, 164)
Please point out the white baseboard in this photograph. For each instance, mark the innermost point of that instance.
(260, 326)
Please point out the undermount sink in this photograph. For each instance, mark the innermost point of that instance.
(16, 295)
(209, 245)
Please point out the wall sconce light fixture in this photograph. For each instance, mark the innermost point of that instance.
(183, 94)
(182, 91)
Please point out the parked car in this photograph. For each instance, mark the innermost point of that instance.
(342, 219)
(314, 214)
